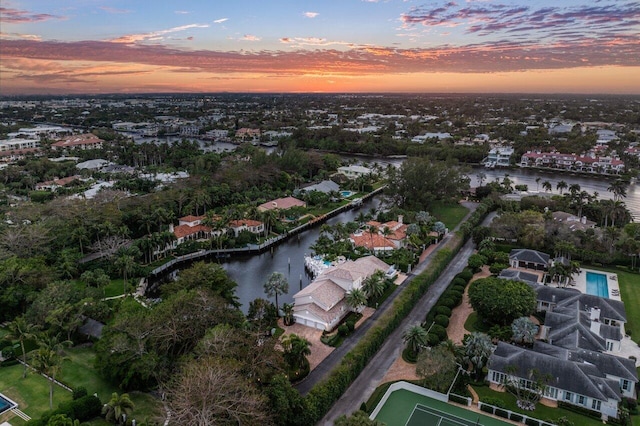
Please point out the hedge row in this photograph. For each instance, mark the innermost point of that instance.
(83, 409)
(326, 393)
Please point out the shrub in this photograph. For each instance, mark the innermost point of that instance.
(516, 417)
(495, 401)
(448, 302)
(500, 412)
(459, 281)
(442, 320)
(466, 275)
(439, 331)
(8, 352)
(79, 392)
(351, 325)
(433, 339)
(487, 408)
(442, 310)
(343, 330)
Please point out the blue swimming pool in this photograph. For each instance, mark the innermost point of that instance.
(6, 404)
(346, 194)
(597, 284)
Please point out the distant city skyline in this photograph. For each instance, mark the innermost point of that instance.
(133, 46)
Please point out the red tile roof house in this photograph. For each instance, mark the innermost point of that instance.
(321, 305)
(52, 185)
(83, 141)
(190, 228)
(282, 204)
(253, 226)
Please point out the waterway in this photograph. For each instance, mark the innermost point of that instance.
(288, 258)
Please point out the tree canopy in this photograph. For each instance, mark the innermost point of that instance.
(500, 301)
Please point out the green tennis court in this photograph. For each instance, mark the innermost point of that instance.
(406, 408)
(423, 415)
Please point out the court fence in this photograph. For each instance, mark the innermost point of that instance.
(511, 415)
(412, 388)
(465, 400)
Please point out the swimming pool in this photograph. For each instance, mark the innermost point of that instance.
(346, 194)
(6, 404)
(597, 284)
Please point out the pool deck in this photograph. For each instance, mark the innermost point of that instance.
(612, 283)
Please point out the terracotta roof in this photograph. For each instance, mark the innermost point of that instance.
(326, 316)
(282, 203)
(244, 222)
(182, 231)
(77, 140)
(371, 241)
(324, 291)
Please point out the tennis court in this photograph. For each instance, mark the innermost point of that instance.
(406, 408)
(423, 415)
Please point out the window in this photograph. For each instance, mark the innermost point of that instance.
(625, 384)
(497, 377)
(581, 400)
(551, 392)
(568, 396)
(609, 345)
(595, 404)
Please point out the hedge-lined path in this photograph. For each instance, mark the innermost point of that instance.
(459, 315)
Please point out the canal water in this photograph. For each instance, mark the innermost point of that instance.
(288, 258)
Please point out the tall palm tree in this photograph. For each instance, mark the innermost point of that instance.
(125, 263)
(356, 299)
(546, 185)
(20, 330)
(561, 186)
(48, 360)
(276, 284)
(118, 408)
(374, 285)
(538, 184)
(415, 337)
(618, 188)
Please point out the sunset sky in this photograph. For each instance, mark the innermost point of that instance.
(139, 46)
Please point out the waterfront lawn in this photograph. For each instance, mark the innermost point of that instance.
(31, 393)
(629, 283)
(541, 412)
(449, 214)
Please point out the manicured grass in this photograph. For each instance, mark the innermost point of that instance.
(473, 323)
(629, 283)
(541, 412)
(115, 287)
(31, 393)
(449, 214)
(79, 370)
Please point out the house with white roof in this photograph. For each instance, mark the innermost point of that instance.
(322, 304)
(354, 171)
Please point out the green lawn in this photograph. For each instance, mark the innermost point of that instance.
(78, 370)
(31, 393)
(449, 214)
(541, 412)
(630, 292)
(473, 323)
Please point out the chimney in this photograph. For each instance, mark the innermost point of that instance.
(595, 314)
(400, 218)
(595, 327)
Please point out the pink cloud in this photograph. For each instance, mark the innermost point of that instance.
(311, 14)
(155, 35)
(115, 11)
(16, 16)
(249, 37)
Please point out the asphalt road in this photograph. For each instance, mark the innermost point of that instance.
(371, 377)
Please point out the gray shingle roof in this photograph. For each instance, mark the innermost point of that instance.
(517, 275)
(526, 255)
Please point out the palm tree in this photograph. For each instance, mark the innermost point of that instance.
(21, 330)
(287, 312)
(538, 184)
(118, 408)
(356, 299)
(296, 350)
(374, 285)
(276, 284)
(561, 186)
(574, 188)
(481, 176)
(618, 188)
(125, 263)
(415, 337)
(48, 360)
(546, 185)
(477, 350)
